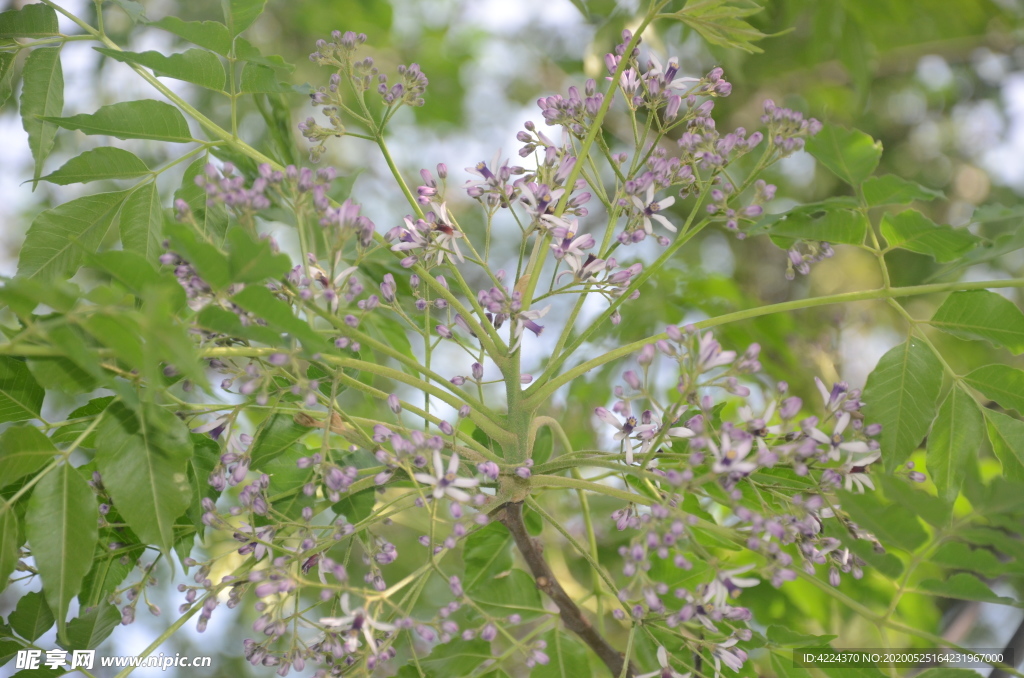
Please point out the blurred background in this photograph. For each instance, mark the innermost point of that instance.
(939, 82)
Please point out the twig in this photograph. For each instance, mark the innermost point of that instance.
(511, 516)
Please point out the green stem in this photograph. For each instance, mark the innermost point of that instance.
(542, 481)
(545, 391)
(406, 360)
(537, 262)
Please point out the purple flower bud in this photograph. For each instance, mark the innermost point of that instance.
(387, 288)
(394, 403)
(790, 407)
(446, 428)
(489, 632)
(489, 469)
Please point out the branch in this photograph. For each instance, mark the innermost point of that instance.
(541, 390)
(511, 516)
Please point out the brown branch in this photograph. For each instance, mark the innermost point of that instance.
(511, 516)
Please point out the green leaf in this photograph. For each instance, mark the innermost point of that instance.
(276, 436)
(10, 547)
(240, 14)
(934, 510)
(101, 163)
(890, 189)
(1002, 244)
(63, 374)
(6, 76)
(983, 315)
(59, 238)
(834, 226)
(457, 658)
(89, 630)
(784, 668)
(953, 441)
(515, 593)
(1002, 496)
(1001, 541)
(61, 527)
(211, 264)
(108, 571)
(959, 555)
(196, 66)
(568, 657)
(900, 394)
(31, 21)
(543, 445)
(23, 450)
(41, 96)
(212, 35)
(886, 564)
(42, 672)
(166, 335)
(286, 481)
(261, 302)
(965, 587)
(20, 396)
(8, 646)
(781, 635)
(1007, 437)
(911, 230)
(143, 119)
(260, 79)
(850, 154)
(894, 525)
(487, 553)
(135, 11)
(144, 465)
(356, 507)
(142, 221)
(66, 435)
(721, 22)
(217, 319)
(252, 260)
(244, 51)
(24, 295)
(32, 617)
(1001, 383)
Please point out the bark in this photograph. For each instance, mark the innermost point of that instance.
(511, 516)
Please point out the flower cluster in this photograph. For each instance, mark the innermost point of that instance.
(362, 75)
(314, 524)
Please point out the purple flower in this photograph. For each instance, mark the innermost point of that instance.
(711, 354)
(447, 482)
(649, 209)
(353, 623)
(835, 442)
(666, 670)
(730, 456)
(626, 429)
